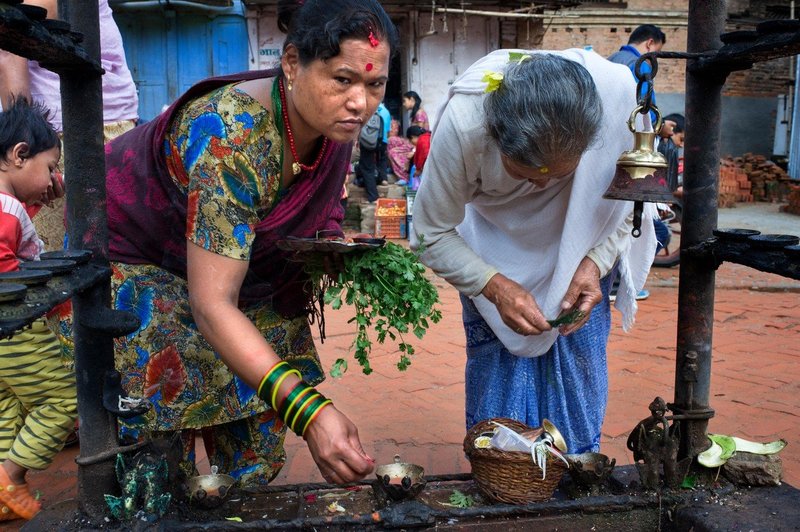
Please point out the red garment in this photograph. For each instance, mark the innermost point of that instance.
(10, 234)
(421, 151)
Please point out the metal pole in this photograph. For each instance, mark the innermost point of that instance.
(700, 198)
(82, 104)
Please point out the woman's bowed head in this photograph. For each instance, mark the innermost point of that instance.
(542, 130)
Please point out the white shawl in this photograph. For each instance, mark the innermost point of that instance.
(539, 237)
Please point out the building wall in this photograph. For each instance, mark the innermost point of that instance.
(429, 62)
(749, 97)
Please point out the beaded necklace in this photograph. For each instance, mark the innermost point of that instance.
(280, 105)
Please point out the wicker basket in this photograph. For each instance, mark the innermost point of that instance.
(510, 476)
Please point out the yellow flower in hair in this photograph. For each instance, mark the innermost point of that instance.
(543, 170)
(493, 80)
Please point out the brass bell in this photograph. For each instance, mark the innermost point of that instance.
(641, 173)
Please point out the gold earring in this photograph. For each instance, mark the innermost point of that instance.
(288, 84)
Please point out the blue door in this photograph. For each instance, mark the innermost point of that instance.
(168, 50)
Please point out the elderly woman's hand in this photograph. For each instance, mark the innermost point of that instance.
(336, 449)
(583, 294)
(517, 306)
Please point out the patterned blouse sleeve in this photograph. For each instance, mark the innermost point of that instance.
(221, 152)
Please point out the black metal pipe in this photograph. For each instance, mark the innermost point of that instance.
(700, 198)
(84, 162)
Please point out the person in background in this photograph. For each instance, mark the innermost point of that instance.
(678, 126)
(644, 39)
(38, 397)
(400, 149)
(416, 114)
(198, 199)
(369, 141)
(381, 154)
(21, 77)
(421, 139)
(510, 212)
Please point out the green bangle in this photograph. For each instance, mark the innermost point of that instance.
(277, 385)
(300, 409)
(288, 404)
(269, 377)
(308, 413)
(325, 403)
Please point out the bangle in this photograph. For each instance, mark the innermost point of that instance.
(309, 411)
(303, 405)
(291, 400)
(325, 403)
(273, 372)
(277, 385)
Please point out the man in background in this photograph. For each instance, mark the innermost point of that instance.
(644, 39)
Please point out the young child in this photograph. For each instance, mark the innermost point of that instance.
(38, 401)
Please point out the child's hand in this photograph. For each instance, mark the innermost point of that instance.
(55, 190)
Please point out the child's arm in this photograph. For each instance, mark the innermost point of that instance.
(14, 77)
(10, 233)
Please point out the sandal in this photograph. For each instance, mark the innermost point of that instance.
(7, 514)
(17, 497)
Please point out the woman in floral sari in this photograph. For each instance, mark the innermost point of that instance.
(197, 200)
(400, 149)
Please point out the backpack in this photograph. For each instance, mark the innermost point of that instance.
(372, 132)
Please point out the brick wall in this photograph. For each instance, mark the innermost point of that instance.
(607, 39)
(606, 29)
(768, 78)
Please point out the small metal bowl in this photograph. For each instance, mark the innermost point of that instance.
(588, 469)
(210, 491)
(399, 481)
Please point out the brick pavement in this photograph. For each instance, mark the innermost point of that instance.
(418, 414)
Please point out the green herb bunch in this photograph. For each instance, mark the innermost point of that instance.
(390, 293)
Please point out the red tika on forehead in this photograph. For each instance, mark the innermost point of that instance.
(368, 67)
(373, 40)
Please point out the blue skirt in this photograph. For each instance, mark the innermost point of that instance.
(568, 385)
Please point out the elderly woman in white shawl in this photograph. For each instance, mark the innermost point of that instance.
(510, 212)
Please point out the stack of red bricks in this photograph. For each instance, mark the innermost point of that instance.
(793, 207)
(768, 181)
(734, 186)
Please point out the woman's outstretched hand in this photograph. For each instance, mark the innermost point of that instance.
(336, 449)
(583, 294)
(517, 306)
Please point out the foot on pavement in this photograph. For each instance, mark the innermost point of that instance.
(17, 497)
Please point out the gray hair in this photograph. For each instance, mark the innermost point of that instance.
(546, 109)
